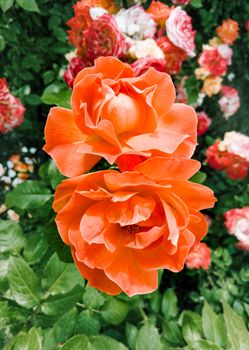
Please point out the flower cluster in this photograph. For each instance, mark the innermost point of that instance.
(122, 226)
(18, 168)
(161, 37)
(11, 109)
(199, 257)
(237, 224)
(231, 155)
(215, 59)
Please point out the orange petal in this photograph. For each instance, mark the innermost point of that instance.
(162, 140)
(97, 278)
(130, 212)
(110, 67)
(63, 139)
(161, 168)
(129, 276)
(146, 238)
(198, 225)
(163, 256)
(181, 119)
(129, 180)
(194, 195)
(164, 95)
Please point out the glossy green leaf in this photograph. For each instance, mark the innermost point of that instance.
(92, 298)
(59, 277)
(30, 341)
(63, 328)
(106, 343)
(78, 342)
(28, 5)
(191, 327)
(148, 338)
(57, 94)
(6, 4)
(28, 195)
(131, 335)
(237, 333)
(172, 333)
(88, 323)
(2, 43)
(35, 247)
(24, 283)
(199, 177)
(11, 236)
(202, 345)
(115, 311)
(213, 326)
(61, 303)
(169, 304)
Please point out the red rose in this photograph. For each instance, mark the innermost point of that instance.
(76, 64)
(103, 38)
(203, 123)
(174, 56)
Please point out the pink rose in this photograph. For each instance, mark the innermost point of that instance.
(143, 64)
(237, 224)
(76, 64)
(103, 38)
(203, 123)
(180, 32)
(11, 109)
(229, 102)
(199, 257)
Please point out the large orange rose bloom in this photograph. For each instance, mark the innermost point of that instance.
(123, 227)
(114, 113)
(228, 32)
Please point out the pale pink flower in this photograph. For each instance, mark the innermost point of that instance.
(229, 102)
(235, 143)
(136, 23)
(180, 32)
(237, 224)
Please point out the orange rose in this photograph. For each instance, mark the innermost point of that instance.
(212, 86)
(228, 31)
(159, 11)
(123, 227)
(114, 113)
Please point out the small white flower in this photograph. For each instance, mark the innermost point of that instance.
(10, 164)
(11, 173)
(2, 170)
(17, 181)
(32, 150)
(24, 149)
(230, 76)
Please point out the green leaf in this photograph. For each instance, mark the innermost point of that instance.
(30, 341)
(35, 248)
(199, 177)
(115, 311)
(28, 195)
(2, 43)
(24, 283)
(57, 94)
(63, 328)
(92, 298)
(169, 304)
(59, 304)
(6, 4)
(202, 345)
(172, 333)
(28, 5)
(87, 322)
(11, 236)
(213, 326)
(60, 277)
(78, 342)
(148, 338)
(196, 3)
(191, 327)
(106, 343)
(131, 335)
(237, 332)
(56, 243)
